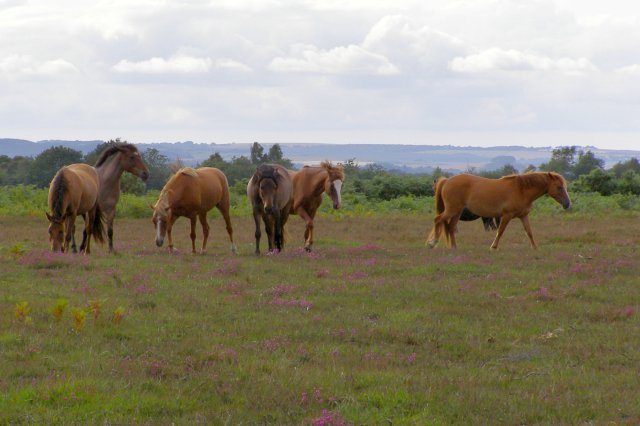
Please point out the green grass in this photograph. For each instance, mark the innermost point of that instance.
(370, 328)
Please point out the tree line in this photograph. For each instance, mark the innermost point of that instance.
(584, 171)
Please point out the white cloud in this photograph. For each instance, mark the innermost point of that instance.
(496, 59)
(179, 64)
(24, 64)
(629, 70)
(404, 41)
(174, 65)
(351, 59)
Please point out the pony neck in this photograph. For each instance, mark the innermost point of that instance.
(318, 177)
(109, 172)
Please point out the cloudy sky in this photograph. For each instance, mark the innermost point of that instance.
(461, 72)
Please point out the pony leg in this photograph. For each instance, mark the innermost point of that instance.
(88, 228)
(258, 234)
(192, 234)
(503, 225)
(268, 227)
(308, 232)
(527, 228)
(205, 231)
(452, 228)
(227, 221)
(110, 217)
(69, 227)
(74, 248)
(170, 222)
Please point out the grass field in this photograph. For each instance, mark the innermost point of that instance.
(370, 328)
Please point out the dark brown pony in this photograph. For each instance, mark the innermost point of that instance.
(112, 162)
(309, 184)
(72, 192)
(270, 191)
(489, 223)
(508, 197)
(192, 193)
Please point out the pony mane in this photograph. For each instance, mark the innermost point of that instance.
(336, 171)
(535, 179)
(114, 149)
(59, 187)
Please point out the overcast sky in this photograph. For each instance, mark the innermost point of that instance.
(461, 72)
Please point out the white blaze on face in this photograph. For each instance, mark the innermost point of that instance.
(158, 225)
(337, 184)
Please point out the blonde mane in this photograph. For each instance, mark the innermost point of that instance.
(336, 172)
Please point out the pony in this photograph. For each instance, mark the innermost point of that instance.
(192, 193)
(72, 192)
(508, 197)
(112, 162)
(270, 191)
(309, 184)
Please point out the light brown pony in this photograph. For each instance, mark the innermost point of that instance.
(72, 192)
(112, 162)
(508, 197)
(270, 191)
(309, 184)
(192, 193)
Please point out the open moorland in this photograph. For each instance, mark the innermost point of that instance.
(370, 328)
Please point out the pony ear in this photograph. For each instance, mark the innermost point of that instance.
(48, 216)
(151, 206)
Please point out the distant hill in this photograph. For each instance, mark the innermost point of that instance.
(406, 158)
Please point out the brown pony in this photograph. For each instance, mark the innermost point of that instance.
(308, 186)
(72, 192)
(270, 191)
(508, 197)
(112, 162)
(192, 193)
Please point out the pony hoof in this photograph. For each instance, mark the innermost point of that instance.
(234, 249)
(307, 249)
(431, 244)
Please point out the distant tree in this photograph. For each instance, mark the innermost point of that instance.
(505, 170)
(215, 160)
(276, 156)
(530, 168)
(587, 161)
(158, 165)
(49, 161)
(562, 161)
(14, 171)
(630, 165)
(596, 181)
(257, 154)
(131, 184)
(629, 183)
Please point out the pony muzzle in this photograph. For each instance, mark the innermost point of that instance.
(144, 175)
(159, 242)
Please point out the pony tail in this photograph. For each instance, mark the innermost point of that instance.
(98, 226)
(438, 194)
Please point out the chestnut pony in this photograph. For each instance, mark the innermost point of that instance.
(192, 193)
(508, 197)
(270, 191)
(113, 161)
(309, 184)
(72, 192)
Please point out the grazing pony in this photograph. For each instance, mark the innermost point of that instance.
(192, 193)
(309, 184)
(508, 197)
(112, 162)
(72, 192)
(270, 192)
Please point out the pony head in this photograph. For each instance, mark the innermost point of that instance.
(56, 233)
(161, 216)
(557, 189)
(333, 185)
(268, 186)
(129, 159)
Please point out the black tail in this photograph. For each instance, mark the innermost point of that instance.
(98, 226)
